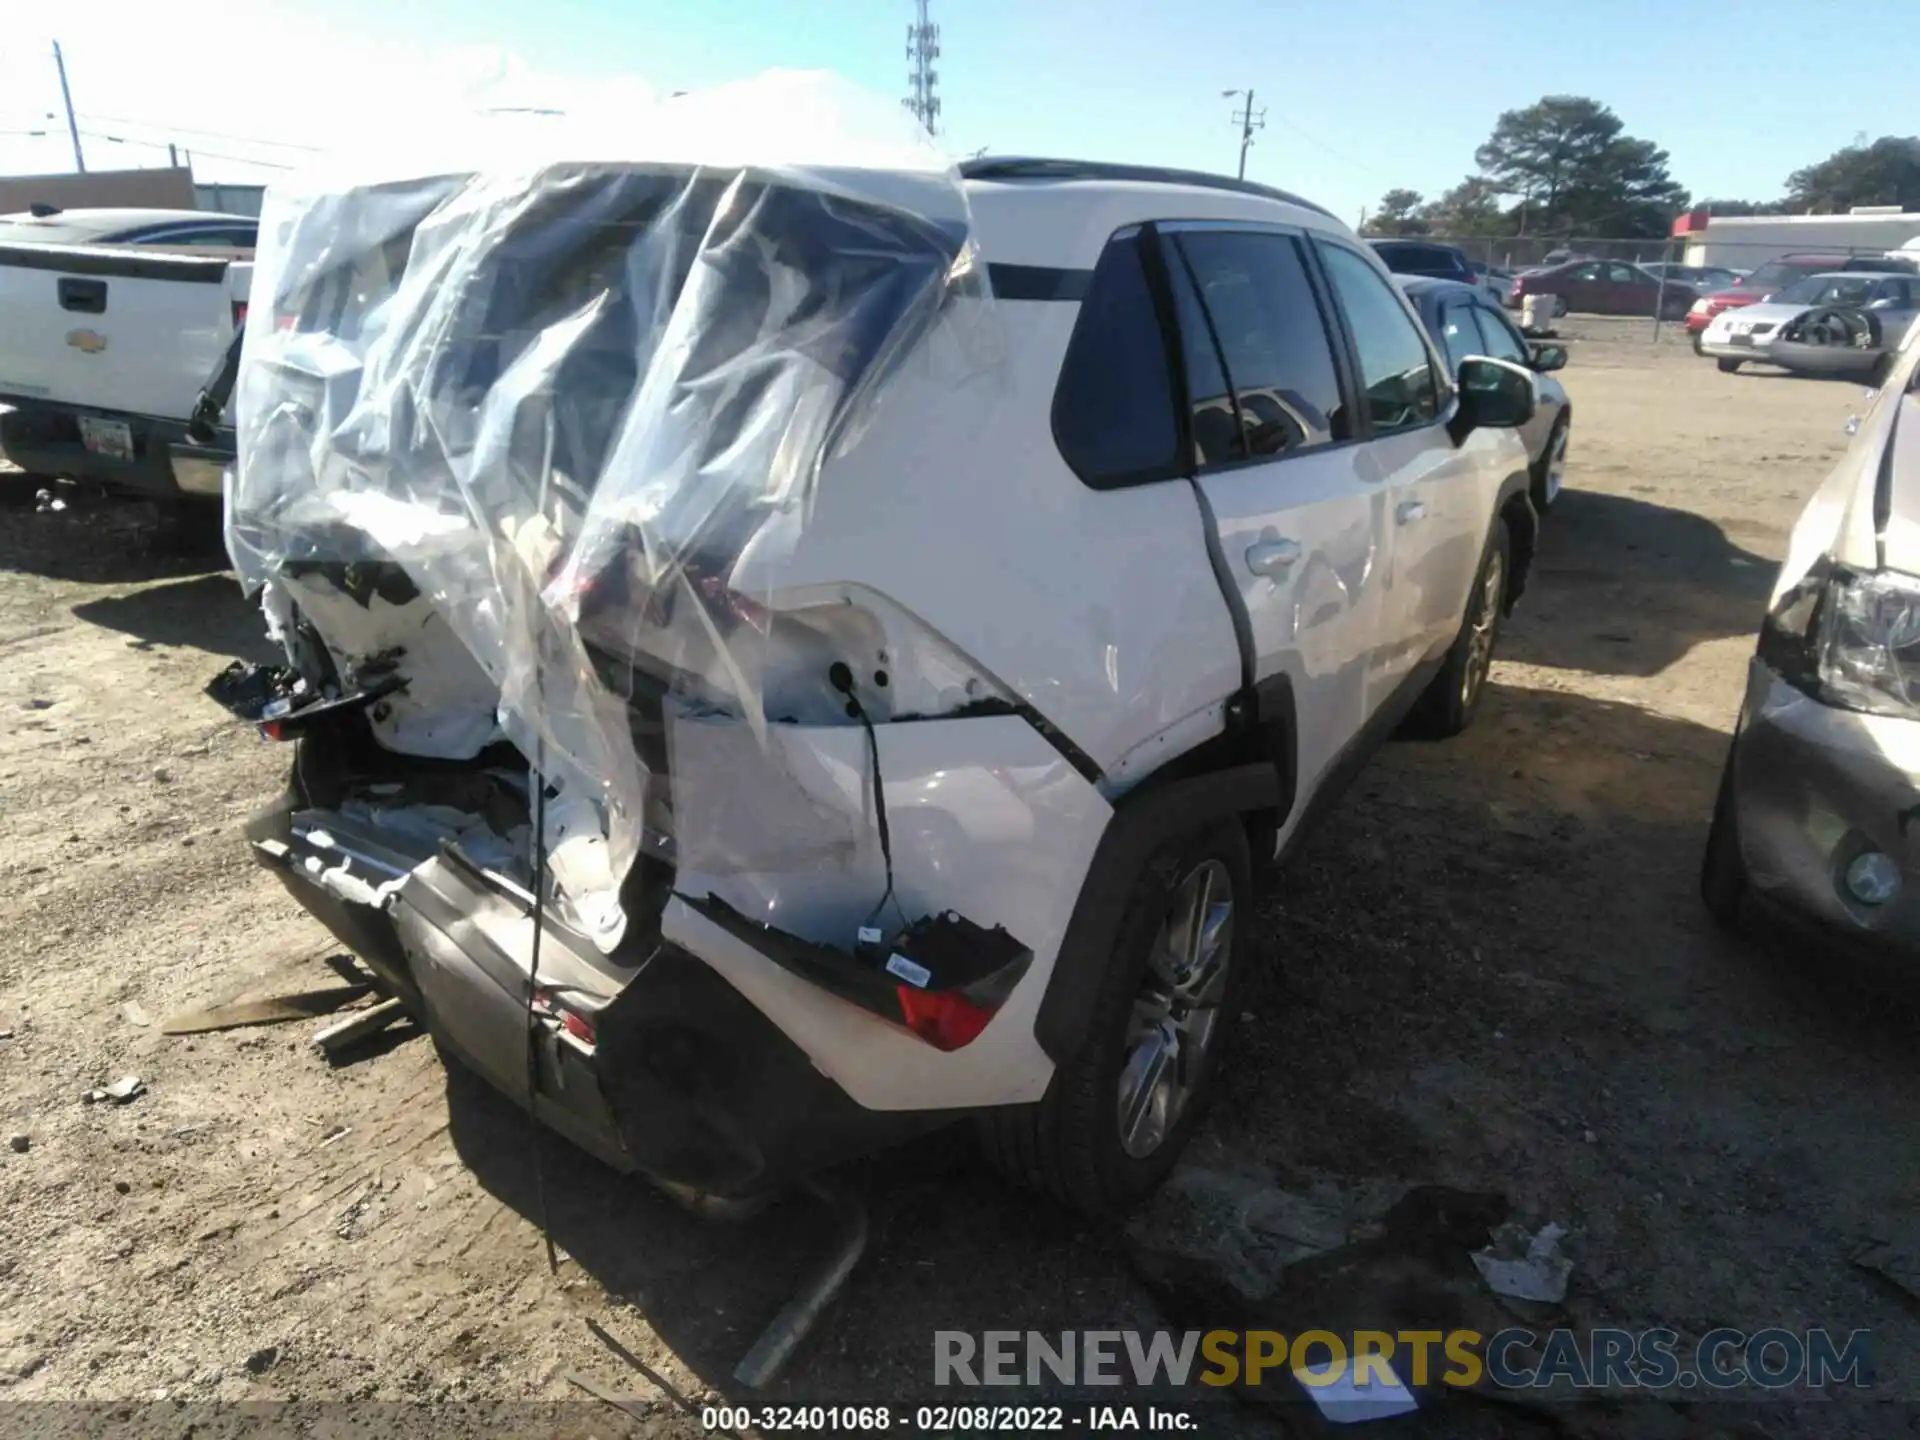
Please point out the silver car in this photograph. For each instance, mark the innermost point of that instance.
(1821, 790)
(1465, 321)
(1836, 323)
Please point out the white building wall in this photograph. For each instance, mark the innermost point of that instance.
(1748, 241)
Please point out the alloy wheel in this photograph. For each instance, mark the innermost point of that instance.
(1176, 1014)
(1485, 623)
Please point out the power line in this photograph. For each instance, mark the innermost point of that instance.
(194, 150)
(190, 130)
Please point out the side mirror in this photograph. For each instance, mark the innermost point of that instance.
(1548, 358)
(1494, 395)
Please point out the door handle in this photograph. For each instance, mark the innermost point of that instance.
(1410, 511)
(1272, 557)
(88, 297)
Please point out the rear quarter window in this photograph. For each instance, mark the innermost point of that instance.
(1113, 415)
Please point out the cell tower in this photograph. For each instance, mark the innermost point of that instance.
(923, 48)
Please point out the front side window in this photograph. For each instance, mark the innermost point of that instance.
(1272, 338)
(1585, 273)
(1459, 336)
(1396, 368)
(1113, 415)
(1624, 275)
(1498, 338)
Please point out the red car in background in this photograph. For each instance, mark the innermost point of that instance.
(1772, 276)
(1605, 287)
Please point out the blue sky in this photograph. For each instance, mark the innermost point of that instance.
(1360, 96)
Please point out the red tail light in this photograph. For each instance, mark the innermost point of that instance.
(272, 730)
(945, 1019)
(239, 314)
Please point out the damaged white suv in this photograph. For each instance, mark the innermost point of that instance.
(785, 655)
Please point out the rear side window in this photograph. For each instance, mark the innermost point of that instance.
(1272, 340)
(1113, 415)
(1396, 368)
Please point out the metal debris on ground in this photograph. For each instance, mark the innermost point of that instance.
(1520, 1266)
(339, 1132)
(120, 1092)
(343, 1035)
(1345, 1399)
(302, 1005)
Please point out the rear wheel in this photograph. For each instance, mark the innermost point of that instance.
(1450, 702)
(1117, 1114)
(1728, 364)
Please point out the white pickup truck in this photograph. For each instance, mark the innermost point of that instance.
(104, 350)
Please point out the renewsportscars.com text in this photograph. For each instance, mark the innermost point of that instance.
(1516, 1358)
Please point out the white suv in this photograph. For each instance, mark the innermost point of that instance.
(764, 688)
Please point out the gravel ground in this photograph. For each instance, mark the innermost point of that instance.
(1489, 971)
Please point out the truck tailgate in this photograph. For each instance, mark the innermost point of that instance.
(121, 329)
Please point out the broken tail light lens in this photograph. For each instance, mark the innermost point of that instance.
(945, 1019)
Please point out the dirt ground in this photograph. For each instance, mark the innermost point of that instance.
(1489, 970)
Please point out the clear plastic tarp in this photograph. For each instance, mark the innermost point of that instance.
(518, 393)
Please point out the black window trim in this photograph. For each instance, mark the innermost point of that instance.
(1333, 321)
(1499, 318)
(1181, 467)
(1343, 377)
(1446, 394)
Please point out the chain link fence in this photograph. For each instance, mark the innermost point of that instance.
(1509, 252)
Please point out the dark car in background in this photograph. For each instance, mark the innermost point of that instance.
(1607, 287)
(1426, 257)
(184, 229)
(1465, 321)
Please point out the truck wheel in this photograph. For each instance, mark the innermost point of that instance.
(1723, 874)
(1728, 364)
(1117, 1115)
(1450, 702)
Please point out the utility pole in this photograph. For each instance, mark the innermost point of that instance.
(923, 48)
(66, 96)
(173, 156)
(1249, 120)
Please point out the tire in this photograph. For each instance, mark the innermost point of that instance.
(1450, 702)
(1882, 368)
(1694, 336)
(1727, 364)
(1070, 1144)
(1723, 874)
(1547, 484)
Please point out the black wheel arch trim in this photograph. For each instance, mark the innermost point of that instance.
(1144, 821)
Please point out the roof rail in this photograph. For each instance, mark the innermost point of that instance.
(1020, 167)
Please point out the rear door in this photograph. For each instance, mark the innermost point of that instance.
(1628, 291)
(1298, 504)
(1442, 492)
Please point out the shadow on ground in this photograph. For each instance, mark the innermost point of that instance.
(1625, 587)
(102, 541)
(206, 612)
(1490, 970)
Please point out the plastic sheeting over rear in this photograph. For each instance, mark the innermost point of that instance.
(520, 396)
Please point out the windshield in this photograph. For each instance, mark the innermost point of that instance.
(1774, 274)
(1827, 290)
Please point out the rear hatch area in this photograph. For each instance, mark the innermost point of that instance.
(722, 879)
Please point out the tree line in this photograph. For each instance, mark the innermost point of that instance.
(1565, 166)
